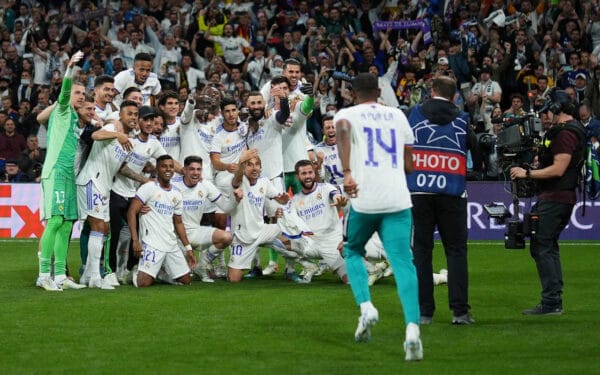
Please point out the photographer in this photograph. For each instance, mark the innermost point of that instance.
(561, 155)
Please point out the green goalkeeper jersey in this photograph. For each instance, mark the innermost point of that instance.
(62, 135)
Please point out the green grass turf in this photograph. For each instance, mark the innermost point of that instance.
(270, 326)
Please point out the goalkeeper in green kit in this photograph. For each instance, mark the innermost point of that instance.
(59, 194)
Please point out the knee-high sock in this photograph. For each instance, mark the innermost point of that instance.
(92, 267)
(47, 243)
(357, 275)
(61, 248)
(272, 256)
(83, 242)
(123, 248)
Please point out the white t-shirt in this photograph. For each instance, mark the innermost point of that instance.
(103, 163)
(232, 48)
(294, 139)
(378, 136)
(136, 161)
(39, 70)
(195, 198)
(126, 79)
(106, 113)
(196, 138)
(268, 141)
(247, 216)
(331, 164)
(229, 144)
(156, 226)
(171, 140)
(316, 210)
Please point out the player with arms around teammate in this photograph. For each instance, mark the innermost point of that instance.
(197, 193)
(156, 242)
(374, 145)
(59, 197)
(317, 205)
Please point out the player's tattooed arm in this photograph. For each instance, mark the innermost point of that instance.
(127, 172)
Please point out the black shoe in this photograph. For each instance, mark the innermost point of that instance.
(426, 320)
(464, 319)
(254, 273)
(543, 310)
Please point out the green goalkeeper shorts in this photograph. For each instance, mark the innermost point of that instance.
(59, 196)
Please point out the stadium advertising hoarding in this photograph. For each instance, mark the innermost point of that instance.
(19, 213)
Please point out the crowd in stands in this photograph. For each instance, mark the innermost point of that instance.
(505, 55)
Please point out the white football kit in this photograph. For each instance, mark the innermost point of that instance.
(331, 164)
(171, 140)
(126, 79)
(378, 137)
(196, 138)
(294, 138)
(229, 144)
(95, 179)
(157, 231)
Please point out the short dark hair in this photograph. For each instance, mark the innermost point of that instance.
(163, 157)
(128, 103)
(143, 56)
(444, 86)
(326, 118)
(192, 159)
(100, 80)
(129, 90)
(228, 100)
(366, 85)
(280, 79)
(302, 163)
(166, 95)
(291, 62)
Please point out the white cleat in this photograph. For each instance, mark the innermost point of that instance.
(375, 276)
(309, 271)
(439, 278)
(388, 272)
(100, 283)
(70, 284)
(271, 269)
(365, 321)
(111, 279)
(202, 268)
(412, 345)
(123, 277)
(46, 283)
(323, 267)
(414, 350)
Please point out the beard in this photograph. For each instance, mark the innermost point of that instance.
(308, 185)
(257, 114)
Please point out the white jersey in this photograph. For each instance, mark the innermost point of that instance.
(268, 141)
(294, 138)
(106, 113)
(126, 79)
(141, 153)
(232, 48)
(103, 163)
(247, 216)
(195, 199)
(196, 138)
(331, 164)
(156, 226)
(229, 144)
(316, 211)
(171, 140)
(378, 137)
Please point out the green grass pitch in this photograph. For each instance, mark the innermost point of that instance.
(270, 326)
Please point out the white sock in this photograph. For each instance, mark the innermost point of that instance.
(413, 332)
(290, 265)
(95, 245)
(58, 279)
(45, 274)
(365, 306)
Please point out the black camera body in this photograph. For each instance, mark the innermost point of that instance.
(516, 230)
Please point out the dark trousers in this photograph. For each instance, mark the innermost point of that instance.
(553, 218)
(449, 214)
(118, 217)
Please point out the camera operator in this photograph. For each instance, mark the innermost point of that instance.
(560, 157)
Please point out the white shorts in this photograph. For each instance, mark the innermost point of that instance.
(91, 202)
(199, 237)
(321, 247)
(152, 260)
(242, 254)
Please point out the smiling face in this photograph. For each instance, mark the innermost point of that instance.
(164, 171)
(129, 117)
(292, 72)
(192, 173)
(105, 93)
(329, 131)
(256, 105)
(306, 176)
(252, 169)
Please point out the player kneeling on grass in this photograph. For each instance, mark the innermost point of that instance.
(197, 194)
(317, 206)
(156, 243)
(247, 224)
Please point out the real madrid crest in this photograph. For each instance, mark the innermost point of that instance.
(319, 196)
(200, 193)
(261, 190)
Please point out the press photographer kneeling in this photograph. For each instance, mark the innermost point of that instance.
(560, 158)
